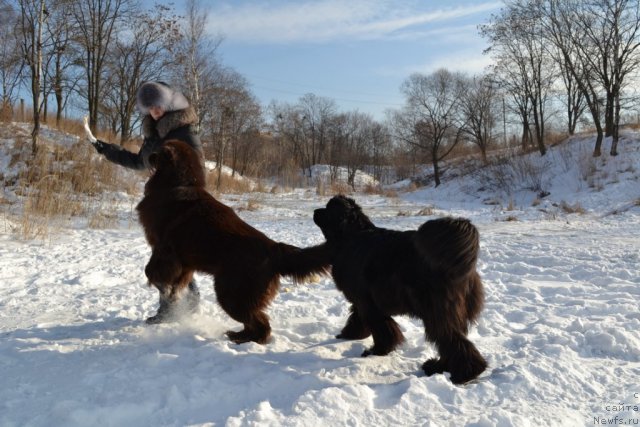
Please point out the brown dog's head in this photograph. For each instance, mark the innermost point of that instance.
(341, 216)
(176, 164)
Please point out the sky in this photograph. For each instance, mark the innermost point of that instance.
(355, 52)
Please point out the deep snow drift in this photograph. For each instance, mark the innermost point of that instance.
(560, 329)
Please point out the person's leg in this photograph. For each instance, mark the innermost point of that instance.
(177, 301)
(192, 298)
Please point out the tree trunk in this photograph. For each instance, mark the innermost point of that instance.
(539, 126)
(59, 101)
(483, 152)
(616, 128)
(45, 109)
(36, 69)
(609, 115)
(525, 135)
(436, 167)
(597, 151)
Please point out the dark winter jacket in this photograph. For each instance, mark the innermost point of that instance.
(180, 124)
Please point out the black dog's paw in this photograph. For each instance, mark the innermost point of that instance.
(468, 371)
(376, 351)
(353, 336)
(433, 366)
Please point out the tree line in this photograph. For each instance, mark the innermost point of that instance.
(554, 63)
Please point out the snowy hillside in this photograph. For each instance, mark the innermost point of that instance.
(560, 258)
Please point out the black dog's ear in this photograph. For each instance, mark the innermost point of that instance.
(355, 217)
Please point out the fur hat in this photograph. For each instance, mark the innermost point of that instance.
(159, 94)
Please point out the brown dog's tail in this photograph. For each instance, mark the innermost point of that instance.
(449, 246)
(301, 263)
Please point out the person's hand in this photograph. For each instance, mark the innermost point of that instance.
(97, 144)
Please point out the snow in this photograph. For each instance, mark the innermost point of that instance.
(560, 329)
(321, 174)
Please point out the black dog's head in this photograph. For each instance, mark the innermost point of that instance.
(176, 164)
(341, 216)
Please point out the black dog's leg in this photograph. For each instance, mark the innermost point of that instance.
(458, 356)
(386, 332)
(355, 329)
(434, 366)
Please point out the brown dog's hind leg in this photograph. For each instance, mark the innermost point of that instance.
(256, 329)
(355, 329)
(246, 304)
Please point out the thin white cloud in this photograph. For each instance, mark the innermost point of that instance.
(467, 61)
(328, 20)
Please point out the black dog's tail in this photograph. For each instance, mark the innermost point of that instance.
(449, 246)
(474, 300)
(301, 263)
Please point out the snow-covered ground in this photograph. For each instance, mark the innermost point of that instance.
(560, 330)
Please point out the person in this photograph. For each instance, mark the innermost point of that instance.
(167, 115)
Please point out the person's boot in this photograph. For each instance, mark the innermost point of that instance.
(192, 298)
(166, 312)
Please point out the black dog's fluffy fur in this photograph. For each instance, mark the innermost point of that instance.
(429, 273)
(189, 230)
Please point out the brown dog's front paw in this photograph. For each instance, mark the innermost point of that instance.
(162, 268)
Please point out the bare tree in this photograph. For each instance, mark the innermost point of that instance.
(600, 43)
(234, 116)
(351, 137)
(317, 113)
(139, 54)
(432, 117)
(61, 58)
(11, 60)
(366, 137)
(522, 62)
(33, 14)
(574, 99)
(479, 107)
(197, 66)
(290, 137)
(623, 17)
(97, 22)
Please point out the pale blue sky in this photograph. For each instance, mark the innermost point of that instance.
(356, 52)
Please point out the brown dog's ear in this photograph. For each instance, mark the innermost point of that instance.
(166, 152)
(153, 159)
(171, 148)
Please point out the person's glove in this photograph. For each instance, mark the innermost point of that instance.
(99, 146)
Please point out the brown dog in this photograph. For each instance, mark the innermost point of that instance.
(189, 230)
(429, 273)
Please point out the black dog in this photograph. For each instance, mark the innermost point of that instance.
(429, 273)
